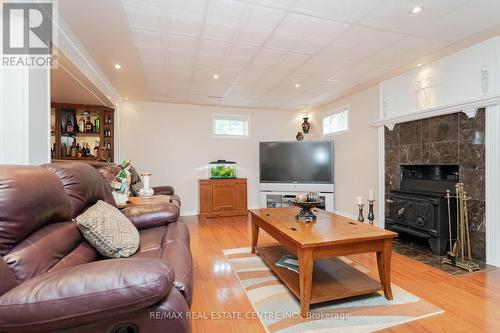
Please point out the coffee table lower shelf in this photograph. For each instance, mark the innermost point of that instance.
(332, 278)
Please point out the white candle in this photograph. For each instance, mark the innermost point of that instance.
(371, 195)
(359, 200)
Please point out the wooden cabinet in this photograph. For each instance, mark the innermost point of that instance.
(223, 197)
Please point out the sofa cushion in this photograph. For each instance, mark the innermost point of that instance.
(109, 231)
(41, 250)
(83, 184)
(169, 243)
(30, 197)
(84, 294)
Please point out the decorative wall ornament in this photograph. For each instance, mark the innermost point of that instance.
(423, 93)
(471, 113)
(484, 80)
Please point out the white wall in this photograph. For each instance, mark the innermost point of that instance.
(356, 152)
(175, 143)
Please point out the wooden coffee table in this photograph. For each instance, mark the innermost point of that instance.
(322, 277)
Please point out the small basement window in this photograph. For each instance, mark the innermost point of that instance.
(230, 126)
(336, 121)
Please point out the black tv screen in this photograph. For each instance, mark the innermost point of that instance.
(296, 162)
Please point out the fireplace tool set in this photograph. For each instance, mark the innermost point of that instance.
(460, 248)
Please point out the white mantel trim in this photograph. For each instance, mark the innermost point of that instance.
(492, 184)
(481, 102)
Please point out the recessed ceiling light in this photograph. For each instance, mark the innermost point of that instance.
(216, 76)
(416, 9)
(297, 85)
(118, 66)
(126, 98)
(419, 64)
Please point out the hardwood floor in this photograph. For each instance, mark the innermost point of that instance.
(471, 301)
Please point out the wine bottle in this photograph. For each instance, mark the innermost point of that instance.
(88, 125)
(81, 124)
(97, 124)
(69, 125)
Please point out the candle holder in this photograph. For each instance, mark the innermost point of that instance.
(371, 216)
(360, 215)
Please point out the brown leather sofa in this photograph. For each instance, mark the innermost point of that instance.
(52, 280)
(110, 170)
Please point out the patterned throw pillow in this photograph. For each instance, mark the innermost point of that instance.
(109, 231)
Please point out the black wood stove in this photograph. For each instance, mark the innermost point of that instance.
(420, 207)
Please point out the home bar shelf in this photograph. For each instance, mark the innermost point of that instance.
(89, 126)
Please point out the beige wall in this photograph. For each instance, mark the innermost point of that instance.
(175, 143)
(356, 152)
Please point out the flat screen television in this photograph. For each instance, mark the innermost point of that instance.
(307, 162)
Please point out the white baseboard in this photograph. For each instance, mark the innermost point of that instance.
(189, 213)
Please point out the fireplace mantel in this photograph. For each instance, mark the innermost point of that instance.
(469, 107)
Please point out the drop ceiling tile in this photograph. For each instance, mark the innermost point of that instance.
(253, 37)
(377, 39)
(320, 68)
(176, 57)
(145, 20)
(183, 25)
(189, 8)
(342, 50)
(214, 48)
(361, 72)
(181, 44)
(394, 14)
(226, 12)
(147, 5)
(469, 19)
(219, 31)
(343, 10)
(262, 18)
(392, 57)
(281, 4)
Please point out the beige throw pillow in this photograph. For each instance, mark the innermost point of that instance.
(109, 231)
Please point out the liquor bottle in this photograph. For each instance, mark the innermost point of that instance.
(69, 125)
(97, 124)
(87, 150)
(81, 124)
(74, 153)
(96, 148)
(64, 150)
(88, 125)
(78, 150)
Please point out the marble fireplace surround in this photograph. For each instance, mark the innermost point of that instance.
(491, 106)
(453, 139)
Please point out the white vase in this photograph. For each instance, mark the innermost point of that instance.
(146, 191)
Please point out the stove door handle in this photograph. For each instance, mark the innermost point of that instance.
(389, 200)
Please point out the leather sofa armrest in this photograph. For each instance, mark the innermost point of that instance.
(153, 215)
(167, 190)
(82, 294)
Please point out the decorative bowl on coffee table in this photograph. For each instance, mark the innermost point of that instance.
(306, 215)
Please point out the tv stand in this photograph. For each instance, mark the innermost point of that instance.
(277, 199)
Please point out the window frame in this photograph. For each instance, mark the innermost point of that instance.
(332, 113)
(222, 116)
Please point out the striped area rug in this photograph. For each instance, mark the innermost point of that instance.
(278, 309)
